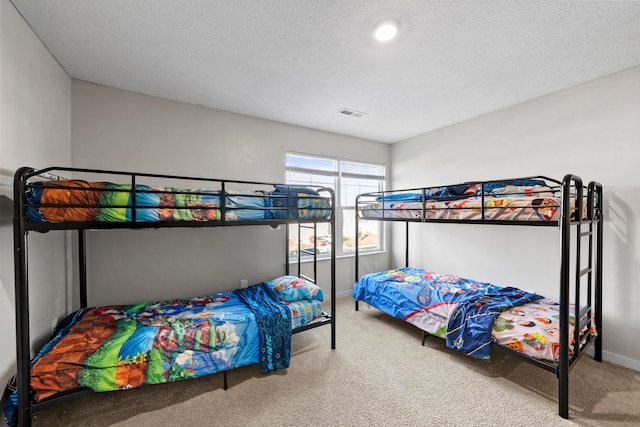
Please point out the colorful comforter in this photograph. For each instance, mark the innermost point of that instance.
(515, 200)
(126, 346)
(460, 310)
(104, 202)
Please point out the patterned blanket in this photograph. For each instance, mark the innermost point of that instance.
(274, 326)
(469, 328)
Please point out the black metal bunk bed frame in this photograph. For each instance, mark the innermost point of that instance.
(572, 188)
(21, 228)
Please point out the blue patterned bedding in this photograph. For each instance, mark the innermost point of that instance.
(274, 326)
(126, 346)
(460, 310)
(462, 191)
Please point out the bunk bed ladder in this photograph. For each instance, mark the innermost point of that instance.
(594, 208)
(314, 226)
(300, 251)
(585, 316)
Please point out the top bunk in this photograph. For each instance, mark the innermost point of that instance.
(64, 198)
(534, 200)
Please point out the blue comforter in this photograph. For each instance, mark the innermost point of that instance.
(465, 308)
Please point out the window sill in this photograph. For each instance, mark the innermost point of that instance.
(343, 256)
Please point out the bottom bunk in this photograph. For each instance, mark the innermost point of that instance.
(126, 346)
(473, 316)
(470, 315)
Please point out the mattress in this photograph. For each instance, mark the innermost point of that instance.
(502, 201)
(126, 346)
(470, 315)
(81, 201)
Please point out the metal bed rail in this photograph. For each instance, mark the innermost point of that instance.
(415, 202)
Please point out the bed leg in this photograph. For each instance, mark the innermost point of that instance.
(357, 306)
(224, 378)
(563, 395)
(597, 354)
(424, 337)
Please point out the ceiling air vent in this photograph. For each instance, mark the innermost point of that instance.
(352, 113)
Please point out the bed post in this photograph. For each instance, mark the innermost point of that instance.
(406, 247)
(598, 316)
(357, 246)
(23, 357)
(286, 249)
(333, 275)
(82, 258)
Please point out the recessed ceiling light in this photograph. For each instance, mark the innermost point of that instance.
(386, 30)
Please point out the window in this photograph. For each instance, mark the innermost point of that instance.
(348, 179)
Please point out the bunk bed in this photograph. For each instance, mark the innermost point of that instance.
(475, 317)
(125, 346)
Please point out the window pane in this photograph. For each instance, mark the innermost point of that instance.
(368, 232)
(308, 170)
(362, 168)
(312, 163)
(351, 187)
(323, 246)
(298, 178)
(357, 178)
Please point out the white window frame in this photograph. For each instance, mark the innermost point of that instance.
(338, 175)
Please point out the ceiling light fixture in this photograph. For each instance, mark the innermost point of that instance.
(386, 30)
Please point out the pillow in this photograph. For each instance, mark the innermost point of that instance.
(400, 197)
(489, 187)
(294, 189)
(523, 191)
(291, 289)
(289, 199)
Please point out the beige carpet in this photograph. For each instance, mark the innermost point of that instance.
(379, 375)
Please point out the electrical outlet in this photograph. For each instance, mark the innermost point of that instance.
(244, 283)
(375, 265)
(54, 323)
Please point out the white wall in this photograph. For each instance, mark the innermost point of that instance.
(592, 130)
(35, 130)
(115, 129)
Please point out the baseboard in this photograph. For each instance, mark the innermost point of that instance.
(623, 361)
(343, 294)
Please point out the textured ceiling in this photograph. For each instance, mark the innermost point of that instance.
(300, 61)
